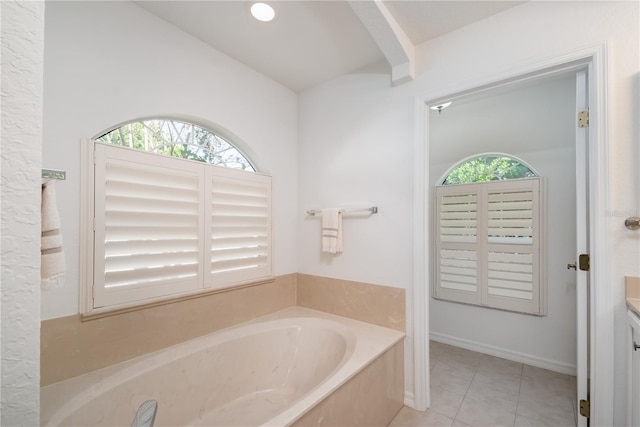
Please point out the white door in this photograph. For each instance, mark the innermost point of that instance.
(582, 247)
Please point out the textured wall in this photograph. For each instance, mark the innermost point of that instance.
(21, 87)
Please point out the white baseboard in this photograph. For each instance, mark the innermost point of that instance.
(409, 399)
(539, 362)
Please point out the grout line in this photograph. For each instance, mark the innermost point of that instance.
(519, 391)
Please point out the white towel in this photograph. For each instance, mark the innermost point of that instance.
(52, 263)
(331, 230)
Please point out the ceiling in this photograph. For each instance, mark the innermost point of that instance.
(310, 42)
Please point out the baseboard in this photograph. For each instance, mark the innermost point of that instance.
(515, 356)
(409, 399)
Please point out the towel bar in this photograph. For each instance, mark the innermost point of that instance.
(372, 210)
(54, 174)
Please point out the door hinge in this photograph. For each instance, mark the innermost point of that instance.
(585, 408)
(583, 119)
(584, 262)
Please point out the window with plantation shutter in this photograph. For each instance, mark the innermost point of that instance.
(147, 226)
(240, 226)
(489, 237)
(166, 227)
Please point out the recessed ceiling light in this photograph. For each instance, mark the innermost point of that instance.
(263, 12)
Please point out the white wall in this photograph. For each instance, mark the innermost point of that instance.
(21, 87)
(536, 124)
(356, 139)
(351, 154)
(111, 62)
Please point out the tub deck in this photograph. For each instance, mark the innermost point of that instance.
(270, 371)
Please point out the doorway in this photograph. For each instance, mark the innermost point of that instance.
(534, 122)
(592, 60)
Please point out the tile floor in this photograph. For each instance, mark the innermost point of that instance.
(474, 389)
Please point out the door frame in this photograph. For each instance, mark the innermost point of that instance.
(594, 59)
(582, 244)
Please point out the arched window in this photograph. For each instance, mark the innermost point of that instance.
(176, 138)
(489, 235)
(488, 167)
(159, 225)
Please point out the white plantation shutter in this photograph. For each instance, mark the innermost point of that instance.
(166, 226)
(513, 246)
(240, 227)
(147, 214)
(457, 243)
(489, 243)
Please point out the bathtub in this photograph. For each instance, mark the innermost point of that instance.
(296, 366)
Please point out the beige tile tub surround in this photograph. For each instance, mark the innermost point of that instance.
(371, 398)
(271, 370)
(380, 305)
(632, 293)
(71, 347)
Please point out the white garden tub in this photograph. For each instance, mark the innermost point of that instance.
(270, 371)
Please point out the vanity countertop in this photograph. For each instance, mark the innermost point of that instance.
(632, 294)
(633, 304)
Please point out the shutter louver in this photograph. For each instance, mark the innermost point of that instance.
(458, 218)
(513, 235)
(459, 270)
(511, 275)
(456, 244)
(240, 227)
(488, 242)
(167, 227)
(149, 220)
(510, 217)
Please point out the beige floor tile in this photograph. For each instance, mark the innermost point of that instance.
(508, 377)
(450, 380)
(477, 413)
(437, 348)
(460, 368)
(478, 390)
(468, 357)
(551, 408)
(541, 381)
(495, 366)
(496, 394)
(445, 402)
(522, 421)
(408, 417)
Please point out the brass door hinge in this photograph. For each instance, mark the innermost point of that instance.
(584, 262)
(585, 408)
(583, 119)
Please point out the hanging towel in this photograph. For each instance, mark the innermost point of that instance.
(331, 230)
(52, 263)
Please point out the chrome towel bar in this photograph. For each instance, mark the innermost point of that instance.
(372, 210)
(54, 174)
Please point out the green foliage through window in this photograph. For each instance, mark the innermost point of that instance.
(178, 139)
(488, 168)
